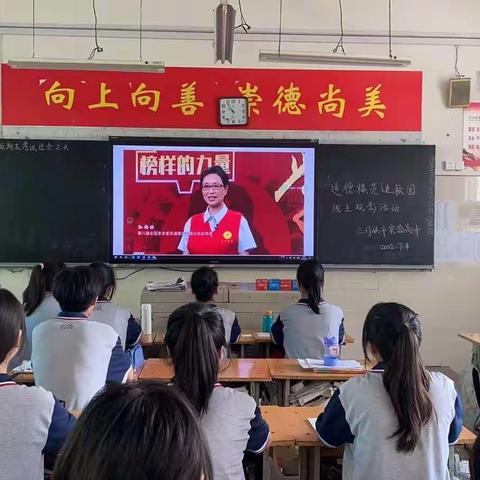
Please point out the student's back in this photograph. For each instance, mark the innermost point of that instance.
(49, 308)
(76, 366)
(302, 328)
(38, 303)
(120, 319)
(116, 317)
(204, 284)
(73, 356)
(231, 420)
(372, 420)
(26, 415)
(32, 422)
(398, 420)
(227, 425)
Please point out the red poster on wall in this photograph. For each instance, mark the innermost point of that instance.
(187, 98)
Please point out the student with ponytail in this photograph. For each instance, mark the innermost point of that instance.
(120, 319)
(398, 420)
(301, 328)
(38, 300)
(230, 420)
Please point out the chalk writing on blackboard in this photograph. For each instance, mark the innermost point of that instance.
(374, 189)
(395, 246)
(369, 207)
(33, 146)
(389, 230)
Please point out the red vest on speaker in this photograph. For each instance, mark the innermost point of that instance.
(222, 241)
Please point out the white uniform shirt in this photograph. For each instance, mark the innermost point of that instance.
(362, 417)
(245, 237)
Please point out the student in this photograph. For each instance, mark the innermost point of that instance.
(204, 283)
(72, 356)
(106, 312)
(231, 420)
(38, 300)
(137, 431)
(398, 420)
(32, 422)
(301, 328)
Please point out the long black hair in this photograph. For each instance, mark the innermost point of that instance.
(136, 431)
(475, 460)
(310, 277)
(12, 321)
(195, 337)
(106, 277)
(41, 281)
(394, 331)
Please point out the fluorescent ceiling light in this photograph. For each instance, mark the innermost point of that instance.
(68, 64)
(266, 56)
(224, 32)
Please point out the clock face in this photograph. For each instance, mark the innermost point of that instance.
(233, 111)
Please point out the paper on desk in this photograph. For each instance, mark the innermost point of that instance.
(173, 285)
(25, 366)
(263, 334)
(319, 365)
(312, 422)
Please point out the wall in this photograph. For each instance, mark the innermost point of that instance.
(181, 34)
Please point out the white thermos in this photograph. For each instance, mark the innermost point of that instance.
(146, 318)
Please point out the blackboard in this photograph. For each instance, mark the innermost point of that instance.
(54, 201)
(376, 205)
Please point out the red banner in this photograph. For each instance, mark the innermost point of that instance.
(187, 98)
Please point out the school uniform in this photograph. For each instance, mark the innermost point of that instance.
(223, 233)
(361, 416)
(74, 358)
(120, 319)
(33, 424)
(232, 425)
(301, 331)
(48, 308)
(230, 322)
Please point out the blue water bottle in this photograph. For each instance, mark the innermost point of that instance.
(332, 351)
(267, 321)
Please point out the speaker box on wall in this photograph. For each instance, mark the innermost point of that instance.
(459, 92)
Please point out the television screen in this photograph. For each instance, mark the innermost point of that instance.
(199, 201)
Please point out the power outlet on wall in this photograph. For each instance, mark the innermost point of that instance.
(450, 165)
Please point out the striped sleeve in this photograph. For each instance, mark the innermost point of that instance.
(120, 364)
(332, 426)
(259, 433)
(457, 422)
(61, 424)
(277, 332)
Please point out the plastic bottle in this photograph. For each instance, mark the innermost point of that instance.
(146, 318)
(267, 321)
(332, 351)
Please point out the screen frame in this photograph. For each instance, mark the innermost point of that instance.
(237, 260)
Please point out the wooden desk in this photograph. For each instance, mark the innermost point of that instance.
(289, 426)
(471, 337)
(247, 337)
(147, 340)
(284, 370)
(241, 370)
